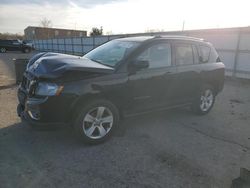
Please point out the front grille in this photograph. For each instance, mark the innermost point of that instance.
(22, 97)
(28, 85)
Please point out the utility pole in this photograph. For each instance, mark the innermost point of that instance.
(183, 25)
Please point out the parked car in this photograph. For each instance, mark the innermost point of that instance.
(120, 78)
(14, 45)
(29, 43)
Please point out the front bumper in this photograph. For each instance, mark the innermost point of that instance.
(46, 110)
(26, 118)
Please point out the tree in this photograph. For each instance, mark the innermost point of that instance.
(96, 31)
(109, 33)
(11, 36)
(45, 22)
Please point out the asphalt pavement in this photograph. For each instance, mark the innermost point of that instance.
(173, 148)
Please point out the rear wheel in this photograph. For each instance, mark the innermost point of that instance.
(96, 121)
(205, 101)
(2, 50)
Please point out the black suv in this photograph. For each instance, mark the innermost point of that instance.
(14, 45)
(120, 78)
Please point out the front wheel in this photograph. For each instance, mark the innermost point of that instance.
(205, 101)
(96, 121)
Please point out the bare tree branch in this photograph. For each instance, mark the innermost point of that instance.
(45, 22)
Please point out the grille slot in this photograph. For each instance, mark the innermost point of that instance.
(25, 83)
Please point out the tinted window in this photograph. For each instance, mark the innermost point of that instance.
(5, 42)
(158, 55)
(214, 57)
(184, 54)
(205, 53)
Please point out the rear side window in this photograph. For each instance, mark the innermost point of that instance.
(205, 53)
(214, 57)
(184, 54)
(158, 55)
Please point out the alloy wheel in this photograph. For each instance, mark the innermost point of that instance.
(97, 122)
(207, 99)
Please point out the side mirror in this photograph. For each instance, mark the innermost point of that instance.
(140, 64)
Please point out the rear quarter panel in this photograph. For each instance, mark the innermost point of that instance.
(213, 74)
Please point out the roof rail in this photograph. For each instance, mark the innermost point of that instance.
(179, 37)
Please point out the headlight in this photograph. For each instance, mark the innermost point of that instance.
(48, 89)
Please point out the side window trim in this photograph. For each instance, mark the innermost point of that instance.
(194, 47)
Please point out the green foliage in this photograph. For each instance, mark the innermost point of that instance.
(96, 31)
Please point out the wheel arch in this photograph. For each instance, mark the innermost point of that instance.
(86, 99)
(214, 86)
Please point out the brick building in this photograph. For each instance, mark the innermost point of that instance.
(32, 33)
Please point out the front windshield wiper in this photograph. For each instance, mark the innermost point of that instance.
(100, 62)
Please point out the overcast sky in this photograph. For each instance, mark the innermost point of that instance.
(124, 16)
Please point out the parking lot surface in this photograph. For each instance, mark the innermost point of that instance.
(172, 148)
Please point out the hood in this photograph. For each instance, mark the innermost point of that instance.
(54, 65)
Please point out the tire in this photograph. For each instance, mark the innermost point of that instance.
(96, 122)
(205, 101)
(2, 50)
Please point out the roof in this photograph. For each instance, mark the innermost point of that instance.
(145, 38)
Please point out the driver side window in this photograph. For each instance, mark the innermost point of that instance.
(158, 55)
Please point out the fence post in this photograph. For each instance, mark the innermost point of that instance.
(72, 45)
(47, 45)
(43, 44)
(236, 57)
(52, 45)
(82, 45)
(34, 43)
(57, 45)
(64, 45)
(93, 42)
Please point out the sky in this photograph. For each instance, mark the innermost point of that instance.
(124, 16)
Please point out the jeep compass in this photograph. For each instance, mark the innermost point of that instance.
(120, 78)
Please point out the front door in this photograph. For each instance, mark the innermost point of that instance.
(149, 87)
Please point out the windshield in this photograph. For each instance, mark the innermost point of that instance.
(112, 52)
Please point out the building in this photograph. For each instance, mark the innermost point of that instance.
(36, 33)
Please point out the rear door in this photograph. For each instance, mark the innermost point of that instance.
(188, 71)
(149, 87)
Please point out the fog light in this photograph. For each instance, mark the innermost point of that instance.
(34, 113)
